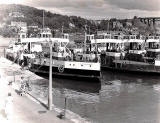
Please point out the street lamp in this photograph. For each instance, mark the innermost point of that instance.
(50, 79)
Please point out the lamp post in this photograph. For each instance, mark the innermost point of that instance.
(50, 79)
(85, 35)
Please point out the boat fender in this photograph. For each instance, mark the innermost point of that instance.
(61, 68)
(68, 58)
(29, 65)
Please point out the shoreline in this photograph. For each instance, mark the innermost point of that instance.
(14, 73)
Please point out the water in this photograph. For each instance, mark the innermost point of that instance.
(119, 98)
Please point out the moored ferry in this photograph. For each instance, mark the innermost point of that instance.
(130, 53)
(35, 53)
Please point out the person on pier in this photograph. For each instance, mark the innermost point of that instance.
(9, 106)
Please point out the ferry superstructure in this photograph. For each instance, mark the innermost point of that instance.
(64, 61)
(130, 53)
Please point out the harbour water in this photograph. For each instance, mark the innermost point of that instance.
(119, 98)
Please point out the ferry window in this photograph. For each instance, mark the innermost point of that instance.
(116, 37)
(102, 44)
(103, 37)
(126, 37)
(99, 45)
(156, 37)
(66, 36)
(142, 37)
(43, 35)
(135, 46)
(92, 37)
(88, 38)
(153, 45)
(107, 37)
(112, 37)
(100, 36)
(150, 44)
(137, 37)
(112, 47)
(23, 36)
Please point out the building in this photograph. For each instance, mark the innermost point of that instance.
(128, 24)
(16, 15)
(18, 24)
(117, 24)
(45, 33)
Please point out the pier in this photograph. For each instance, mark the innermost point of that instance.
(30, 108)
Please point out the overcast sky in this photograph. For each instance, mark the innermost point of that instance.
(97, 9)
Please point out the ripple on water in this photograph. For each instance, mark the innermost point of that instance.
(112, 90)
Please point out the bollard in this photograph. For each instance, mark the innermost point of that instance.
(63, 114)
(65, 104)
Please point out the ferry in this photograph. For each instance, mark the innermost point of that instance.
(35, 53)
(130, 53)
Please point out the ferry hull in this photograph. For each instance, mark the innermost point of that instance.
(67, 72)
(140, 69)
(124, 65)
(76, 73)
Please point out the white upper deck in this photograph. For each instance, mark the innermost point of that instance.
(41, 40)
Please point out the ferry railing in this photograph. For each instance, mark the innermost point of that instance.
(74, 57)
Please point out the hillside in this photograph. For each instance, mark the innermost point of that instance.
(34, 16)
(71, 24)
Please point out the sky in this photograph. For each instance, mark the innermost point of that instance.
(96, 9)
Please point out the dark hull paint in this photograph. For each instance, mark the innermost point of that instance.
(135, 69)
(72, 73)
(67, 73)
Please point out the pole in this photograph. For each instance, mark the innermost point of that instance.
(43, 19)
(14, 77)
(62, 29)
(4, 52)
(85, 35)
(50, 80)
(108, 25)
(65, 105)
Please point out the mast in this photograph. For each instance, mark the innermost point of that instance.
(62, 29)
(85, 35)
(108, 25)
(43, 19)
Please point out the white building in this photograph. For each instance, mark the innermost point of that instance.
(18, 24)
(16, 14)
